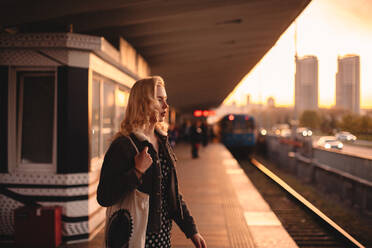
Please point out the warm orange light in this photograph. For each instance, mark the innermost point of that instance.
(198, 113)
(231, 117)
(122, 98)
(205, 113)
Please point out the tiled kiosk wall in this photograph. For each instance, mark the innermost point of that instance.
(75, 193)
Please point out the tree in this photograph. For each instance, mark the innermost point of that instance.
(328, 123)
(365, 124)
(333, 123)
(310, 118)
(350, 123)
(325, 123)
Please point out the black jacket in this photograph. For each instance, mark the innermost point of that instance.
(118, 177)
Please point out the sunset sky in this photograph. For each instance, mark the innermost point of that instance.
(326, 29)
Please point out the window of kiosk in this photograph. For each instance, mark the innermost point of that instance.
(108, 123)
(108, 106)
(36, 121)
(122, 97)
(96, 119)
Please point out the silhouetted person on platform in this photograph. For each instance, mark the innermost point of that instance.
(205, 133)
(172, 135)
(196, 137)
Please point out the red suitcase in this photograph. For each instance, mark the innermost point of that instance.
(37, 226)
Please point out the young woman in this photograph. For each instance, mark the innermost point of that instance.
(152, 170)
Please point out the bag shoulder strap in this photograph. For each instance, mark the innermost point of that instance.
(131, 141)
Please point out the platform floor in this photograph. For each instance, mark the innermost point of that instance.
(228, 210)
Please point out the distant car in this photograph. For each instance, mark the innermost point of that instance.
(262, 131)
(304, 132)
(277, 129)
(345, 136)
(328, 142)
(285, 132)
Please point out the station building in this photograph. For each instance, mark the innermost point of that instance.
(62, 98)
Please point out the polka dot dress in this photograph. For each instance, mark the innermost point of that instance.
(162, 239)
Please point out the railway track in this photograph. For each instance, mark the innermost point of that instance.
(306, 224)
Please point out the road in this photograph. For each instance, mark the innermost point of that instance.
(356, 150)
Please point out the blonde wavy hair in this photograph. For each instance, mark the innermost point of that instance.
(140, 111)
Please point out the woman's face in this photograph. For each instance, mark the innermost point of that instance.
(162, 106)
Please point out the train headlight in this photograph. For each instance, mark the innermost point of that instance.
(263, 132)
(327, 146)
(309, 133)
(304, 133)
(340, 145)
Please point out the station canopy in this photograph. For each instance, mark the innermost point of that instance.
(202, 48)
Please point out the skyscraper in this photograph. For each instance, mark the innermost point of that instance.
(348, 83)
(270, 102)
(306, 84)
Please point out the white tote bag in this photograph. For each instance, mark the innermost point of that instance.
(137, 204)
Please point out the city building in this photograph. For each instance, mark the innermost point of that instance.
(348, 83)
(306, 84)
(248, 99)
(270, 102)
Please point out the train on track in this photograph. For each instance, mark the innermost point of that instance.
(238, 132)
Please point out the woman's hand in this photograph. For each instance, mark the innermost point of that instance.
(198, 241)
(143, 160)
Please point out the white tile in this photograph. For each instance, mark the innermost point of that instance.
(261, 219)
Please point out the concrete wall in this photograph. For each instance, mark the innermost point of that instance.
(354, 165)
(346, 178)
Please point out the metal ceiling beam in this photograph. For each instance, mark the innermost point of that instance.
(202, 48)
